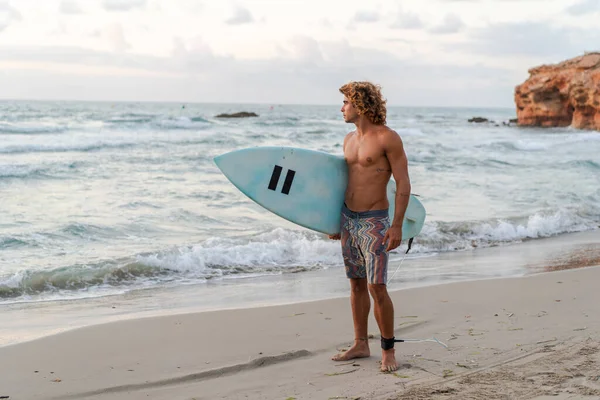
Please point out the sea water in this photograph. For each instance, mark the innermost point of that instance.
(105, 199)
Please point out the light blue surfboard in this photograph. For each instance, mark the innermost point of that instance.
(306, 187)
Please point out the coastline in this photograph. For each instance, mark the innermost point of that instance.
(510, 330)
(23, 322)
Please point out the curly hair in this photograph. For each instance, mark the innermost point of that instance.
(366, 97)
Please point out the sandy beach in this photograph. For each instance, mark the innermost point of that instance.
(515, 338)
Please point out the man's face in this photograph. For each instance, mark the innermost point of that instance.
(348, 110)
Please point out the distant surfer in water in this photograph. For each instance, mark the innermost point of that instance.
(373, 153)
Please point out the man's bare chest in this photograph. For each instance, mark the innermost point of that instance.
(364, 153)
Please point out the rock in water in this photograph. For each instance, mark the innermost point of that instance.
(242, 114)
(564, 94)
(478, 120)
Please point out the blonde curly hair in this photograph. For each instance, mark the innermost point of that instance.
(366, 97)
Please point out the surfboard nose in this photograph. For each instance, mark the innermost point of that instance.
(222, 159)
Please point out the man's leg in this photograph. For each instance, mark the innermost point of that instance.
(384, 315)
(361, 305)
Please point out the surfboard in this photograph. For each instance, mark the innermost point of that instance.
(303, 186)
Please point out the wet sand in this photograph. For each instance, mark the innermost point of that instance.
(524, 338)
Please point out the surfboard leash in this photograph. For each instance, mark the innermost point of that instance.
(410, 241)
(433, 339)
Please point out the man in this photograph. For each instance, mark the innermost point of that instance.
(373, 153)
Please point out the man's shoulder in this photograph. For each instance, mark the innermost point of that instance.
(386, 134)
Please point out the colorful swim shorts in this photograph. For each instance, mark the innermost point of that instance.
(363, 248)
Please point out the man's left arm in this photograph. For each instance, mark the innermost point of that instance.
(394, 150)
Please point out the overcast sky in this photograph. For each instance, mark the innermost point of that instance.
(422, 52)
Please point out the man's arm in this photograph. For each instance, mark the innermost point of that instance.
(394, 151)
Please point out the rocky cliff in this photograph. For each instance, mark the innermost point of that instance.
(565, 94)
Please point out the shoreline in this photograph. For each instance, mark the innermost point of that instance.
(25, 322)
(531, 324)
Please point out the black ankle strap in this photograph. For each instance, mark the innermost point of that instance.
(387, 344)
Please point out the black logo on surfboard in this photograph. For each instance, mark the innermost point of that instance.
(287, 184)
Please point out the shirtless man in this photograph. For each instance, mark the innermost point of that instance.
(373, 153)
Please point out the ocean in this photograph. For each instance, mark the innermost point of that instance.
(121, 203)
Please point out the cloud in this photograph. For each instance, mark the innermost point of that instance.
(532, 39)
(325, 23)
(306, 71)
(69, 7)
(116, 37)
(8, 15)
(451, 24)
(584, 7)
(407, 20)
(122, 5)
(305, 48)
(240, 16)
(366, 16)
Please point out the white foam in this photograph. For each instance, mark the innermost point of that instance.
(279, 248)
(438, 237)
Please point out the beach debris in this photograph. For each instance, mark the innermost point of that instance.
(546, 341)
(515, 329)
(397, 375)
(35, 372)
(447, 373)
(510, 315)
(542, 314)
(453, 336)
(463, 366)
(558, 301)
(4, 397)
(580, 329)
(342, 372)
(56, 380)
(405, 323)
(341, 365)
(409, 316)
(472, 332)
(291, 398)
(495, 315)
(467, 316)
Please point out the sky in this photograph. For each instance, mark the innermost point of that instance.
(422, 52)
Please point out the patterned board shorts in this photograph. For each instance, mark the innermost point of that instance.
(363, 248)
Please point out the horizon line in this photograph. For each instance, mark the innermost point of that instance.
(234, 103)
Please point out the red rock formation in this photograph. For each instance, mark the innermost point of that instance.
(565, 94)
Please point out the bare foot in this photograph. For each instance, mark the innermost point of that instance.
(388, 361)
(359, 350)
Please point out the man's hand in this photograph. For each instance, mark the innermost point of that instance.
(336, 236)
(393, 237)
